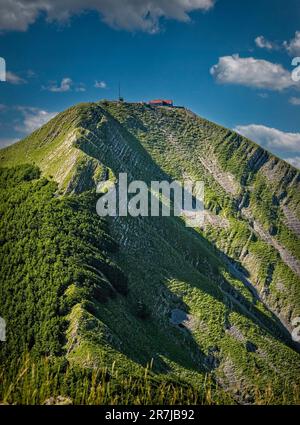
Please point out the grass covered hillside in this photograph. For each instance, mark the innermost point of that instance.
(55, 262)
(182, 315)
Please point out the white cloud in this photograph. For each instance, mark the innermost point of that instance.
(28, 119)
(130, 15)
(263, 43)
(252, 72)
(7, 141)
(13, 78)
(294, 101)
(64, 86)
(80, 88)
(277, 141)
(271, 138)
(293, 46)
(33, 118)
(295, 161)
(100, 85)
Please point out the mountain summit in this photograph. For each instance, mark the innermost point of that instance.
(220, 300)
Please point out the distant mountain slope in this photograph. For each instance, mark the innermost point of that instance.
(219, 299)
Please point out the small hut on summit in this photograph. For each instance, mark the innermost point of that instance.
(161, 102)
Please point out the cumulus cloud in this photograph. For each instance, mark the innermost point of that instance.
(80, 87)
(271, 138)
(251, 72)
(295, 161)
(64, 86)
(263, 43)
(294, 101)
(100, 85)
(25, 120)
(276, 141)
(130, 15)
(33, 118)
(13, 78)
(293, 46)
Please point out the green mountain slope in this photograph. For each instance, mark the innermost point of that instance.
(217, 300)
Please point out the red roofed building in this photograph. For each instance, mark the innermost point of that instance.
(161, 102)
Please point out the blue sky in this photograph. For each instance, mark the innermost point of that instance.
(228, 60)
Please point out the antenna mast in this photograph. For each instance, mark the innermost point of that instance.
(121, 99)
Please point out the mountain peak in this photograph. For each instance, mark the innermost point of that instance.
(194, 297)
